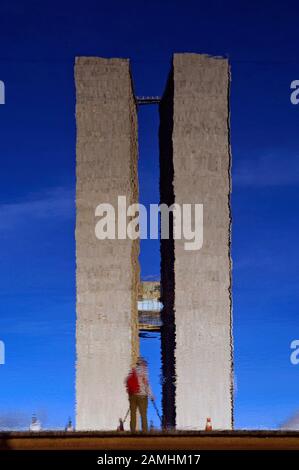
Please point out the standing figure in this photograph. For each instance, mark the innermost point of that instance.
(139, 391)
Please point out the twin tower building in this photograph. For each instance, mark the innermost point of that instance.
(195, 164)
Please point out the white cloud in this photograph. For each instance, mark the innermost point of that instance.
(273, 169)
(26, 327)
(14, 420)
(54, 203)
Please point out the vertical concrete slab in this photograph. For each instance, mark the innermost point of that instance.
(107, 270)
(202, 279)
(167, 258)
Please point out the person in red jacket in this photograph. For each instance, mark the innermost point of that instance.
(139, 391)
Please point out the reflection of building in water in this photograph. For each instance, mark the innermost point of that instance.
(196, 335)
(196, 327)
(149, 306)
(35, 424)
(69, 427)
(107, 270)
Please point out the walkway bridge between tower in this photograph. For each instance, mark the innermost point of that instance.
(149, 306)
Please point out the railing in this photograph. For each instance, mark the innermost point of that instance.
(141, 100)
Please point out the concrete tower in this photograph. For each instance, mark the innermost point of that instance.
(196, 285)
(107, 270)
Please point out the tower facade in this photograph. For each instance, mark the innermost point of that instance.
(196, 285)
(107, 270)
(195, 168)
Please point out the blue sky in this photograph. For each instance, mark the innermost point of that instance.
(38, 43)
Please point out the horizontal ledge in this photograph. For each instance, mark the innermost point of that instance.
(141, 100)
